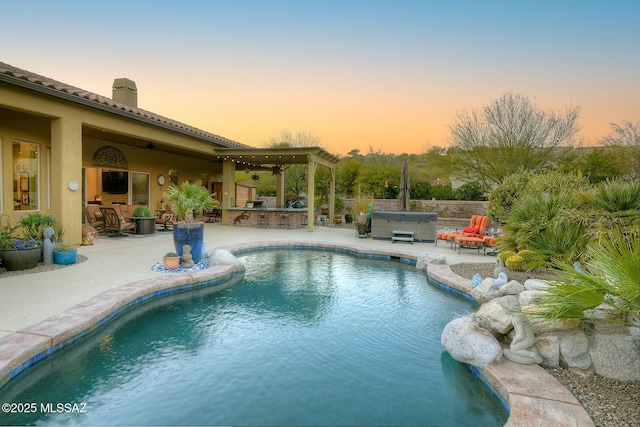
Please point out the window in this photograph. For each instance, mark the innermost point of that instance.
(140, 188)
(25, 176)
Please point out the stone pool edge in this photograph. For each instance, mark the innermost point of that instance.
(534, 397)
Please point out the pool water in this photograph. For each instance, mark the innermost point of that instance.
(307, 338)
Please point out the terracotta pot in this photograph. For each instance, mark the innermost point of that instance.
(171, 263)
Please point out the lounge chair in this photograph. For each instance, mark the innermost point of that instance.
(477, 228)
(115, 223)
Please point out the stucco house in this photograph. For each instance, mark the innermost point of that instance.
(62, 147)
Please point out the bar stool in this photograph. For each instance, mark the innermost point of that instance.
(263, 217)
(283, 217)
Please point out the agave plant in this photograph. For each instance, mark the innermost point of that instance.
(609, 277)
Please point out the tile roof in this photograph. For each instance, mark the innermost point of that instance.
(29, 80)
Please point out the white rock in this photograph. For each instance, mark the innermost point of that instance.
(429, 258)
(497, 314)
(616, 356)
(531, 284)
(512, 288)
(468, 344)
(549, 349)
(574, 350)
(224, 257)
(485, 292)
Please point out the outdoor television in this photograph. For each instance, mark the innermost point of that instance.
(115, 182)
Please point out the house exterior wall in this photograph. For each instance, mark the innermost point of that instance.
(56, 125)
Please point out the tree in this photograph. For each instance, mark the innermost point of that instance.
(295, 175)
(627, 138)
(508, 135)
(299, 139)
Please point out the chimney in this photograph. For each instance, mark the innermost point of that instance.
(125, 91)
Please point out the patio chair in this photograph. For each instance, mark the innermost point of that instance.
(94, 216)
(115, 223)
(166, 221)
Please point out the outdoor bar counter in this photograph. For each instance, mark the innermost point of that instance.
(423, 224)
(248, 217)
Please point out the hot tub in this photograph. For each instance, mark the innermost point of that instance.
(423, 224)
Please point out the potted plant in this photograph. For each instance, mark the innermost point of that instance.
(171, 261)
(249, 203)
(337, 219)
(145, 224)
(185, 199)
(19, 253)
(65, 253)
(142, 212)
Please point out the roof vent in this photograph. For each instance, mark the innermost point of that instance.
(125, 91)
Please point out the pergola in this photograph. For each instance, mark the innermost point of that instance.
(276, 159)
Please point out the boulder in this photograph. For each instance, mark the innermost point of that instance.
(224, 257)
(535, 284)
(529, 300)
(429, 258)
(497, 314)
(468, 344)
(485, 291)
(574, 349)
(549, 349)
(512, 288)
(616, 356)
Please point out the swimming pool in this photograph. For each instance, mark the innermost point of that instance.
(307, 338)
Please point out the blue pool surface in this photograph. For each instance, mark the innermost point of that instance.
(306, 338)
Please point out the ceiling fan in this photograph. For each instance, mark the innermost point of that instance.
(149, 146)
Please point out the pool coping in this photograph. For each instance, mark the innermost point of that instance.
(533, 396)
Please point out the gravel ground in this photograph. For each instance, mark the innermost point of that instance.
(609, 402)
(39, 268)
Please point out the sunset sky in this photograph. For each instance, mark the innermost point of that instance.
(388, 75)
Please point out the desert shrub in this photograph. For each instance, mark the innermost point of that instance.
(473, 190)
(610, 206)
(504, 197)
(539, 223)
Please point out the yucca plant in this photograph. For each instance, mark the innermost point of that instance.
(609, 276)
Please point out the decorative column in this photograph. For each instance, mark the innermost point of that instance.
(66, 176)
(228, 188)
(280, 191)
(311, 193)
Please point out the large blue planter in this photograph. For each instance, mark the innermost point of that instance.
(191, 234)
(20, 259)
(66, 257)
